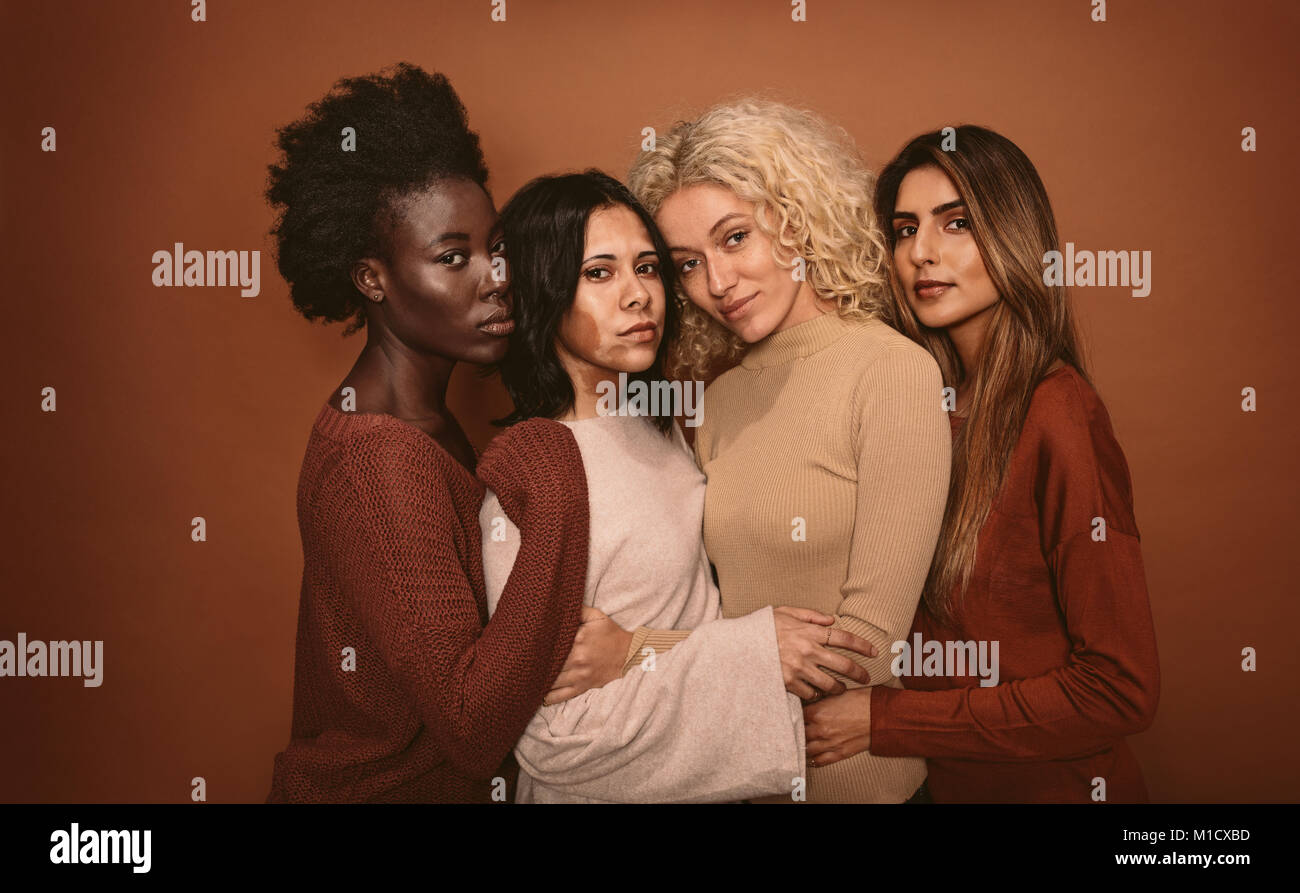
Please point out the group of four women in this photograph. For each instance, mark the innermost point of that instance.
(904, 454)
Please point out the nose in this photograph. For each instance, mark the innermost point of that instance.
(722, 276)
(635, 295)
(495, 278)
(922, 248)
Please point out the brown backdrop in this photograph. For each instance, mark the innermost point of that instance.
(180, 402)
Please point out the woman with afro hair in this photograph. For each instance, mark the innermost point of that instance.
(403, 691)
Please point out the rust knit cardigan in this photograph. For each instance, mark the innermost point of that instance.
(402, 689)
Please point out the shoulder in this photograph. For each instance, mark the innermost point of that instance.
(1067, 414)
(533, 451)
(1068, 431)
(382, 453)
(879, 363)
(888, 365)
(532, 438)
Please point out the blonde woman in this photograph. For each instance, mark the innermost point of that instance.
(826, 449)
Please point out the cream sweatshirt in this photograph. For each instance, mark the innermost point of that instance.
(707, 721)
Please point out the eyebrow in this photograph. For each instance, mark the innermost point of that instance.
(648, 251)
(447, 237)
(713, 229)
(936, 210)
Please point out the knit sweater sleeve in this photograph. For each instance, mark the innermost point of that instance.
(1108, 685)
(474, 687)
(904, 453)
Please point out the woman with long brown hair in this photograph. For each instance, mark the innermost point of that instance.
(1038, 577)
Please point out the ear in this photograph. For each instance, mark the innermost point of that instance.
(369, 275)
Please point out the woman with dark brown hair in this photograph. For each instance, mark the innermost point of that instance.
(1039, 564)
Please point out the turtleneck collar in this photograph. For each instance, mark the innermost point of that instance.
(797, 341)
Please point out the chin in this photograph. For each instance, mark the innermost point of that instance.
(487, 353)
(751, 331)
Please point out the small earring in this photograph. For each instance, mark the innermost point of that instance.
(378, 296)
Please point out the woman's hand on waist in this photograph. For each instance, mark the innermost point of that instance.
(597, 657)
(804, 638)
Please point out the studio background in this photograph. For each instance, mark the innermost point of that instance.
(181, 402)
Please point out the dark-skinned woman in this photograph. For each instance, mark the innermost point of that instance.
(403, 691)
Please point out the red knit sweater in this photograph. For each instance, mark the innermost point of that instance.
(392, 568)
(1077, 652)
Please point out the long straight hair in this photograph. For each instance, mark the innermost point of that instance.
(1030, 328)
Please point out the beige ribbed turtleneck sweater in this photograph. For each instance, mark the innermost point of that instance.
(827, 452)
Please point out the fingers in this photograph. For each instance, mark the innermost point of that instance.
(822, 758)
(807, 615)
(796, 686)
(845, 666)
(841, 638)
(569, 677)
(823, 682)
(558, 694)
(591, 615)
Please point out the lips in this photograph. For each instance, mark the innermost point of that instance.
(930, 288)
(498, 324)
(736, 309)
(642, 331)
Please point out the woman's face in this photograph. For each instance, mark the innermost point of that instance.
(726, 266)
(439, 293)
(616, 321)
(935, 255)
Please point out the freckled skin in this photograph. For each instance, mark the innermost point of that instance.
(722, 266)
(619, 286)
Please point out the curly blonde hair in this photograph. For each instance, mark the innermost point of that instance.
(814, 197)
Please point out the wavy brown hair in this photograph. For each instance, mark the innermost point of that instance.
(1030, 328)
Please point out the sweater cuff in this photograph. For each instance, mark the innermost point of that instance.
(659, 640)
(885, 740)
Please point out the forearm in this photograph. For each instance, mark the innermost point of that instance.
(648, 643)
(710, 722)
(1064, 714)
(402, 562)
(1108, 688)
(905, 455)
